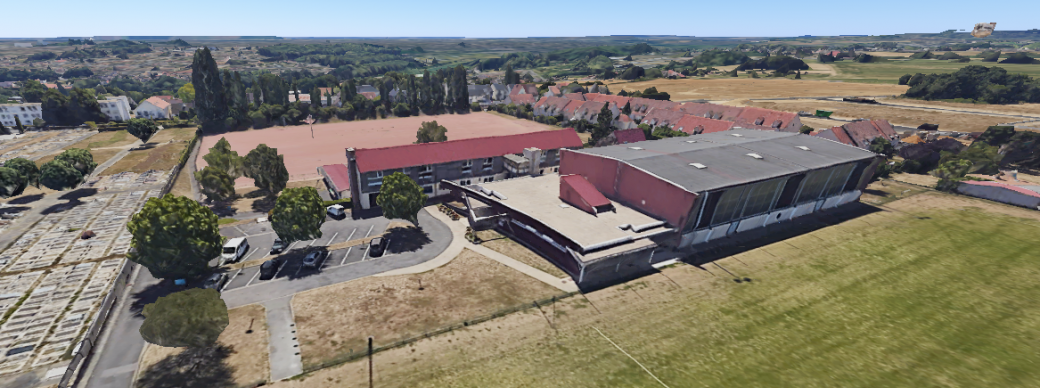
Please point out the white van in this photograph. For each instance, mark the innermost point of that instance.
(233, 250)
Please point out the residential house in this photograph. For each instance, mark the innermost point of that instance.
(626, 136)
(154, 108)
(337, 180)
(361, 89)
(554, 91)
(499, 92)
(550, 106)
(768, 119)
(176, 105)
(860, 133)
(521, 99)
(662, 117)
(26, 113)
(117, 108)
(695, 125)
(480, 94)
(517, 89)
(466, 161)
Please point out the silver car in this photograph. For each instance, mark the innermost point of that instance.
(312, 258)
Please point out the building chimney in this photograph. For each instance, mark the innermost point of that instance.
(534, 157)
(355, 186)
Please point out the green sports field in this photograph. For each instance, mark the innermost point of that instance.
(890, 71)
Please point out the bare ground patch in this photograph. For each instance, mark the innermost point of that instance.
(395, 308)
(163, 157)
(242, 360)
(910, 117)
(506, 246)
(728, 89)
(1018, 109)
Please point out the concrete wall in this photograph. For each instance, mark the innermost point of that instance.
(617, 268)
(999, 194)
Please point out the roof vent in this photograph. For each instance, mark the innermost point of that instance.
(736, 135)
(756, 156)
(698, 165)
(691, 141)
(635, 148)
(803, 148)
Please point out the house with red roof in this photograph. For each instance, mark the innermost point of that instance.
(516, 89)
(575, 96)
(466, 162)
(662, 117)
(1024, 196)
(768, 119)
(629, 136)
(571, 109)
(860, 133)
(518, 99)
(699, 125)
(337, 180)
(550, 106)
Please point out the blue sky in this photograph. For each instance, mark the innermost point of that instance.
(505, 19)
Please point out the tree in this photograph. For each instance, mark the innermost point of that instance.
(59, 175)
(210, 100)
(881, 146)
(805, 129)
(430, 132)
(904, 79)
(11, 182)
(298, 215)
(950, 173)
(267, 168)
(78, 158)
(39, 123)
(83, 106)
(222, 157)
(216, 184)
(18, 124)
(26, 168)
(402, 110)
(627, 110)
(187, 93)
(174, 237)
(316, 97)
(142, 128)
(192, 318)
(798, 74)
(510, 76)
(603, 127)
(400, 197)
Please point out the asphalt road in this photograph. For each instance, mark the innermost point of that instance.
(117, 357)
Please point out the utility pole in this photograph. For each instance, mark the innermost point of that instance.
(310, 121)
(370, 381)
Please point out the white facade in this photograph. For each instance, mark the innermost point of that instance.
(25, 112)
(150, 109)
(116, 108)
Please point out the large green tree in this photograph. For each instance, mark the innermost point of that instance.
(430, 132)
(603, 127)
(186, 93)
(267, 168)
(27, 169)
(222, 157)
(881, 146)
(78, 158)
(215, 184)
(32, 91)
(193, 318)
(950, 173)
(298, 214)
(83, 106)
(59, 175)
(400, 197)
(11, 182)
(174, 237)
(210, 100)
(142, 128)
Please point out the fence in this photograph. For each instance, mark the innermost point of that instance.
(345, 358)
(86, 346)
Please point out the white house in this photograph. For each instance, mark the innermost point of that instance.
(116, 108)
(153, 108)
(25, 112)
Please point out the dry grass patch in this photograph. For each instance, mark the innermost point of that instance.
(100, 156)
(246, 360)
(1016, 109)
(909, 117)
(916, 179)
(176, 134)
(728, 89)
(507, 246)
(106, 139)
(338, 319)
(882, 192)
(163, 157)
(182, 184)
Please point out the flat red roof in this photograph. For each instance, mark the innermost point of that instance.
(586, 190)
(389, 158)
(338, 174)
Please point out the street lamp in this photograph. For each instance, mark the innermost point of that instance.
(310, 121)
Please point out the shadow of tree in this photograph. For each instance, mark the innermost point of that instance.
(296, 260)
(26, 199)
(14, 209)
(202, 367)
(78, 194)
(264, 205)
(406, 239)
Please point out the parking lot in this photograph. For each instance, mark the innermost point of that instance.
(261, 237)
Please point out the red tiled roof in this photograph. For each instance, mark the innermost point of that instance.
(862, 132)
(1016, 189)
(555, 90)
(629, 135)
(884, 127)
(750, 116)
(574, 96)
(620, 101)
(840, 134)
(158, 102)
(370, 95)
(589, 108)
(691, 123)
(658, 117)
(712, 111)
(522, 99)
(624, 118)
(526, 88)
(572, 106)
(587, 193)
(387, 158)
(338, 174)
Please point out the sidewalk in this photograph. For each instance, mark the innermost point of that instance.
(458, 241)
(564, 284)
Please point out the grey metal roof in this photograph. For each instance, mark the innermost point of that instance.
(726, 158)
(478, 89)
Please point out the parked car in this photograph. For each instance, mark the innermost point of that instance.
(215, 281)
(312, 258)
(278, 246)
(376, 247)
(233, 250)
(270, 268)
(336, 210)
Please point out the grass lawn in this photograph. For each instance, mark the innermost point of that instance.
(241, 361)
(506, 246)
(182, 184)
(163, 157)
(395, 308)
(100, 156)
(890, 71)
(178, 134)
(106, 139)
(934, 290)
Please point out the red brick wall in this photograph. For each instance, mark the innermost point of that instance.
(601, 172)
(653, 195)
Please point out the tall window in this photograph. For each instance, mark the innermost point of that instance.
(760, 197)
(812, 186)
(729, 205)
(837, 182)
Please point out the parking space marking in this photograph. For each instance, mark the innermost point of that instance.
(333, 238)
(344, 261)
(312, 242)
(250, 254)
(284, 264)
(369, 231)
(351, 234)
(229, 280)
(254, 277)
(323, 260)
(240, 231)
(291, 245)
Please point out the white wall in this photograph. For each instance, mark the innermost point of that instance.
(26, 112)
(147, 110)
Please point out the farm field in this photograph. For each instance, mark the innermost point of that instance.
(729, 88)
(931, 290)
(889, 72)
(1014, 109)
(909, 117)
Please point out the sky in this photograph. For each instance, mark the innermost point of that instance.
(496, 19)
